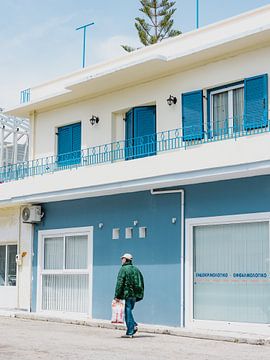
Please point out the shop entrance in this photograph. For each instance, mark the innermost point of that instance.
(230, 272)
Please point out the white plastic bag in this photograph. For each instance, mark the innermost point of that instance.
(118, 309)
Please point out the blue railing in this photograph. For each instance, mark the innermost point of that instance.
(25, 96)
(127, 150)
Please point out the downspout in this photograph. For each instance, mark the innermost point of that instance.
(182, 255)
(17, 264)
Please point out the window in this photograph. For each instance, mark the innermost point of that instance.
(238, 107)
(68, 252)
(231, 272)
(140, 132)
(227, 109)
(8, 267)
(69, 144)
(65, 273)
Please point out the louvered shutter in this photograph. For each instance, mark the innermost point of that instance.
(144, 131)
(129, 135)
(69, 144)
(256, 102)
(76, 143)
(64, 144)
(192, 115)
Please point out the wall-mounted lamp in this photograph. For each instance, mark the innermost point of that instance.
(94, 120)
(171, 100)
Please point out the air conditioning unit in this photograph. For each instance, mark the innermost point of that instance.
(32, 214)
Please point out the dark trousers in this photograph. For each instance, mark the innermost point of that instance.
(130, 322)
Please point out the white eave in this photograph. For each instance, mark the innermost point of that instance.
(213, 42)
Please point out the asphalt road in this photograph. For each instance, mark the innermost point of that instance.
(32, 340)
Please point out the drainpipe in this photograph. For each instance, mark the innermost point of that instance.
(19, 252)
(182, 258)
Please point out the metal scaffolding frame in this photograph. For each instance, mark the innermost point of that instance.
(14, 139)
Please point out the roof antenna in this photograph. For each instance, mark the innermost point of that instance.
(84, 40)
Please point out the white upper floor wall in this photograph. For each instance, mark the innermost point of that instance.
(111, 108)
(218, 55)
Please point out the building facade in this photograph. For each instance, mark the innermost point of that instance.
(162, 153)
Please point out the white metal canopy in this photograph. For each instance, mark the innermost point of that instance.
(14, 139)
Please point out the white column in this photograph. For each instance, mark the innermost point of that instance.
(2, 145)
(15, 146)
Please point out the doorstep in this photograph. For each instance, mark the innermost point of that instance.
(207, 334)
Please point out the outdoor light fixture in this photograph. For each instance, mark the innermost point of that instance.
(94, 120)
(171, 100)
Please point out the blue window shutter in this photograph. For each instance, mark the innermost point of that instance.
(76, 137)
(192, 115)
(256, 102)
(76, 143)
(69, 144)
(144, 131)
(64, 140)
(129, 135)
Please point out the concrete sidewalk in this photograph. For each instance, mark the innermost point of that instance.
(45, 340)
(217, 335)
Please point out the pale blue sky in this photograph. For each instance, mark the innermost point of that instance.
(39, 42)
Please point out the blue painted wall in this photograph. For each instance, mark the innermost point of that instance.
(228, 197)
(158, 256)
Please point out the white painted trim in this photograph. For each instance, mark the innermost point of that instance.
(178, 179)
(215, 220)
(88, 230)
(226, 88)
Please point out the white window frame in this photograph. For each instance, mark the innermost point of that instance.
(6, 265)
(86, 231)
(228, 89)
(190, 322)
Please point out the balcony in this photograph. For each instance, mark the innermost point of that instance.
(141, 147)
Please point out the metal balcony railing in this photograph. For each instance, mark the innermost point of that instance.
(135, 148)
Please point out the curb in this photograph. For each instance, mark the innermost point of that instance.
(161, 330)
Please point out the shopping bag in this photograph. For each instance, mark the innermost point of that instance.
(118, 309)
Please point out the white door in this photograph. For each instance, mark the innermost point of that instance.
(65, 270)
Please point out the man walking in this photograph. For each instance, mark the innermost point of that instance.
(129, 287)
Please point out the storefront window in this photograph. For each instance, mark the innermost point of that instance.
(231, 272)
(8, 267)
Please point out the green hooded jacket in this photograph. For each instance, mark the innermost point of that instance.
(130, 283)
